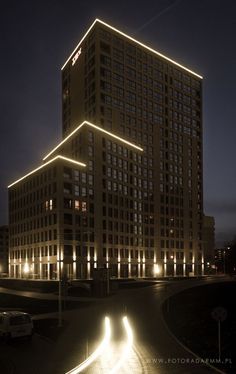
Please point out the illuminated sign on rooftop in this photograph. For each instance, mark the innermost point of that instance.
(133, 40)
(76, 56)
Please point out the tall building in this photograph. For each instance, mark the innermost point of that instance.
(127, 187)
(3, 249)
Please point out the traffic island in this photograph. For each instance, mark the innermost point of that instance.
(190, 317)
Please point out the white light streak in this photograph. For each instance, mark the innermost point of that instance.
(127, 348)
(114, 136)
(71, 160)
(47, 163)
(97, 128)
(63, 141)
(135, 41)
(97, 352)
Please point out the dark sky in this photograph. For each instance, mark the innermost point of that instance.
(37, 37)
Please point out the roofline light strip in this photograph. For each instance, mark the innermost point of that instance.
(134, 40)
(96, 127)
(114, 136)
(47, 163)
(79, 44)
(72, 161)
(63, 141)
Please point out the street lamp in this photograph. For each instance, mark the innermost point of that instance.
(59, 290)
(224, 261)
(224, 253)
(228, 248)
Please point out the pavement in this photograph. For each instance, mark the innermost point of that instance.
(43, 295)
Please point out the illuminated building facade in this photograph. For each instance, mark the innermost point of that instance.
(3, 249)
(134, 118)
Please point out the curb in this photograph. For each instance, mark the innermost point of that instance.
(184, 346)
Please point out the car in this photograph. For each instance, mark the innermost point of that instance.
(15, 324)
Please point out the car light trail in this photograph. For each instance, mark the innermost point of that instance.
(97, 352)
(127, 348)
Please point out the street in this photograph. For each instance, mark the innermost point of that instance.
(148, 347)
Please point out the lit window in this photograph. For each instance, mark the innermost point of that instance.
(77, 204)
(67, 203)
(84, 206)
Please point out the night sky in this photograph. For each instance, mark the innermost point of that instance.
(36, 39)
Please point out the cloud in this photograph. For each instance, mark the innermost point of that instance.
(221, 207)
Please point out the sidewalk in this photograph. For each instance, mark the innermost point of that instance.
(43, 296)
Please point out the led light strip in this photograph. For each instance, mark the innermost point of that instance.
(127, 348)
(114, 136)
(97, 352)
(78, 44)
(134, 40)
(47, 163)
(97, 128)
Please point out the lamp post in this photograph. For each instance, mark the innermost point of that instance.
(224, 262)
(59, 293)
(59, 287)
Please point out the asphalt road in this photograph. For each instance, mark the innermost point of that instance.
(154, 348)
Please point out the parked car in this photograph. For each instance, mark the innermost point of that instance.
(14, 324)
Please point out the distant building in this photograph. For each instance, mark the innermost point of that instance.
(224, 260)
(3, 249)
(219, 254)
(124, 188)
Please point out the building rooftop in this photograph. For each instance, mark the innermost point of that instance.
(45, 164)
(132, 39)
(96, 128)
